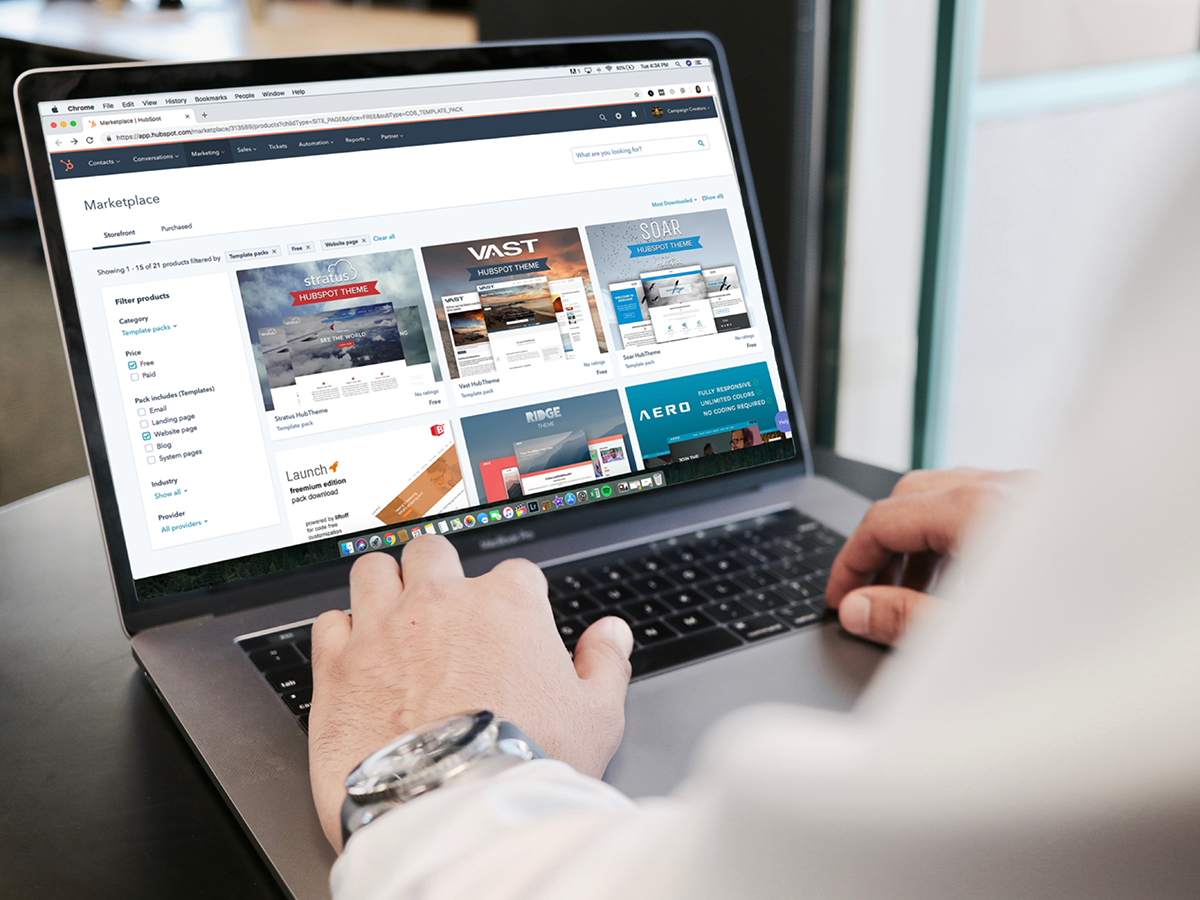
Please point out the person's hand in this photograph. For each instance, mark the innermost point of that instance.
(879, 579)
(428, 642)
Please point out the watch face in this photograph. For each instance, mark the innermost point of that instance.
(421, 756)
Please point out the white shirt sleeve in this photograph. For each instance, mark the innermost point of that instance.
(540, 829)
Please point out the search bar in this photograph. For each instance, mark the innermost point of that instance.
(639, 149)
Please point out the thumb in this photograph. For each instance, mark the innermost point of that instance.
(880, 613)
(602, 656)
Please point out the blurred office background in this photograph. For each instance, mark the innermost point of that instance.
(950, 188)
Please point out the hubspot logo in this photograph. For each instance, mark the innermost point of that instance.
(67, 165)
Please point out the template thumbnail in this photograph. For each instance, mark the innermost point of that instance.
(329, 330)
(356, 484)
(705, 414)
(669, 278)
(512, 303)
(526, 450)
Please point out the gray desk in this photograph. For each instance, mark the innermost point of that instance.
(99, 794)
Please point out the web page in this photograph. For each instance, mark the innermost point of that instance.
(302, 330)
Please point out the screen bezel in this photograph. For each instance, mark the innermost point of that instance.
(136, 78)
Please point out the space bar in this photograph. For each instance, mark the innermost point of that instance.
(664, 656)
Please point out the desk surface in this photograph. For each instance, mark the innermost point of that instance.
(140, 818)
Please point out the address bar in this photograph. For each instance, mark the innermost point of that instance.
(126, 134)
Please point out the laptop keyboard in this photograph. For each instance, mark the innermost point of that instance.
(686, 598)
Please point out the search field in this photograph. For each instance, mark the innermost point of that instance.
(638, 149)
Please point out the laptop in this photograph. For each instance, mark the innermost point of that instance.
(516, 295)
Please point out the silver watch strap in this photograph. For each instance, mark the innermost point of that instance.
(512, 746)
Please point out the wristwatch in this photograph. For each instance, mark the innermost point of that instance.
(459, 748)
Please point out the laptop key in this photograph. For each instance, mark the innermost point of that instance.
(291, 678)
(569, 631)
(786, 523)
(684, 599)
(763, 601)
(728, 611)
(652, 633)
(574, 605)
(298, 701)
(611, 594)
(607, 574)
(305, 647)
(687, 623)
(275, 657)
(304, 722)
(798, 589)
(299, 633)
(681, 555)
(691, 574)
(724, 565)
(798, 615)
(652, 564)
(568, 583)
(657, 657)
(758, 627)
(790, 569)
(651, 584)
(755, 579)
(641, 610)
(721, 589)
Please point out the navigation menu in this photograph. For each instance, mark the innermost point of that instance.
(174, 155)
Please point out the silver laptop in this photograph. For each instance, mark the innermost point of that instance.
(516, 295)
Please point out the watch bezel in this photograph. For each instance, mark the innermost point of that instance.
(371, 782)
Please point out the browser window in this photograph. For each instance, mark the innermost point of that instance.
(327, 317)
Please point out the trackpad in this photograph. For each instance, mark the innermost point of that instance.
(668, 715)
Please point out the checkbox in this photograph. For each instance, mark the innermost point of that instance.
(149, 460)
(132, 364)
(149, 448)
(144, 423)
(145, 435)
(133, 376)
(141, 411)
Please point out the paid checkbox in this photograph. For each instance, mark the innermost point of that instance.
(133, 376)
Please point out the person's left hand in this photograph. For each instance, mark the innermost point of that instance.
(428, 642)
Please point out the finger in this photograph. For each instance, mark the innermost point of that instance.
(602, 657)
(374, 587)
(889, 572)
(430, 562)
(330, 634)
(920, 570)
(906, 524)
(880, 614)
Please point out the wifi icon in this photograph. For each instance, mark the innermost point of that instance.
(609, 68)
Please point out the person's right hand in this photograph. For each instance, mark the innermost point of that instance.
(880, 577)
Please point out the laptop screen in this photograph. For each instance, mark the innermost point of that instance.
(325, 318)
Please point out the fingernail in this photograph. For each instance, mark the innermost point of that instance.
(855, 613)
(618, 633)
